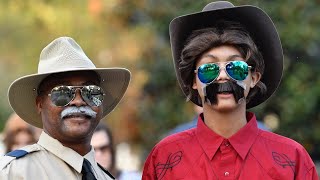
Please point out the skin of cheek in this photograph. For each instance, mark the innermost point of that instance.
(49, 116)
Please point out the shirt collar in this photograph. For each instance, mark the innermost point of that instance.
(208, 139)
(68, 155)
(90, 157)
(240, 141)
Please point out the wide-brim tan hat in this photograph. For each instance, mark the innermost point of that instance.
(255, 20)
(64, 55)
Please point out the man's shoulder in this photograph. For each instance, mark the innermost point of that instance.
(185, 137)
(177, 144)
(281, 148)
(276, 140)
(18, 154)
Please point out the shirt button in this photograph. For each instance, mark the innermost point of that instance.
(226, 173)
(227, 144)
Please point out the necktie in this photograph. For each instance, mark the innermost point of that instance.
(86, 171)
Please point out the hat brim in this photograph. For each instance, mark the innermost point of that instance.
(261, 29)
(22, 92)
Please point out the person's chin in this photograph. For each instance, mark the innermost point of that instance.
(77, 127)
(76, 134)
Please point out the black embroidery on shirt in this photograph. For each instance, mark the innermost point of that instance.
(283, 160)
(173, 160)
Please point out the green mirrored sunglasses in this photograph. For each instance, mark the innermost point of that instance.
(236, 70)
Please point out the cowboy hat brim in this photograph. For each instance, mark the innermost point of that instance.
(22, 92)
(256, 22)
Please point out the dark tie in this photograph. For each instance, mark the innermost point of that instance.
(86, 171)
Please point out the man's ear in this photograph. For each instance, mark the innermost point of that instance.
(39, 104)
(255, 78)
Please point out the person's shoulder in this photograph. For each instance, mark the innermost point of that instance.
(18, 155)
(274, 151)
(184, 136)
(276, 139)
(283, 147)
(175, 144)
(181, 151)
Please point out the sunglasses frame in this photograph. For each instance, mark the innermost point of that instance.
(224, 68)
(74, 89)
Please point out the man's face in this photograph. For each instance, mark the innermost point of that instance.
(72, 126)
(221, 55)
(101, 143)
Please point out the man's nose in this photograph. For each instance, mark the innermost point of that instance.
(78, 100)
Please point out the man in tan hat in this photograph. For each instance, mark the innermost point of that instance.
(66, 98)
(227, 59)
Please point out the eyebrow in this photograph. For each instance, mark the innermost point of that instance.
(216, 58)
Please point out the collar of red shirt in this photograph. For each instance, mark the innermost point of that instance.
(241, 141)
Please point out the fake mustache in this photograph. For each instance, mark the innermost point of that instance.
(85, 111)
(213, 89)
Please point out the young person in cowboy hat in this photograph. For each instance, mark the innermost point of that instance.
(67, 98)
(227, 59)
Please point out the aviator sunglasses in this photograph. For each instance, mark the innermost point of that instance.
(62, 95)
(236, 70)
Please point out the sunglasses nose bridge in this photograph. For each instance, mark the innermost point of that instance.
(77, 99)
(223, 74)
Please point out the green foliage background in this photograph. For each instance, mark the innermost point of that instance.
(134, 34)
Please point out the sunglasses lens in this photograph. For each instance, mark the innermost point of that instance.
(208, 72)
(61, 95)
(237, 70)
(93, 95)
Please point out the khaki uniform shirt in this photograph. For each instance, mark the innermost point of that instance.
(48, 160)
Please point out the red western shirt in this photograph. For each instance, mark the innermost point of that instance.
(251, 153)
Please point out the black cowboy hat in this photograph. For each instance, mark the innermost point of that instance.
(256, 22)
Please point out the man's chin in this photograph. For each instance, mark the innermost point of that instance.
(77, 130)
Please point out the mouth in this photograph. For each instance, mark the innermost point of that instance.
(77, 115)
(225, 91)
